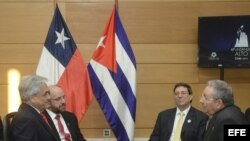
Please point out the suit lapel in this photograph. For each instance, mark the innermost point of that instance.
(187, 121)
(210, 128)
(34, 112)
(52, 127)
(51, 131)
(40, 119)
(172, 118)
(168, 124)
(69, 125)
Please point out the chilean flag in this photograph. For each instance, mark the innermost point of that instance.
(62, 64)
(112, 71)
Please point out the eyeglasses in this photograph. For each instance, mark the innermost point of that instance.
(207, 99)
(181, 93)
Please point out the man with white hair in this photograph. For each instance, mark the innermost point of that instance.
(29, 124)
(217, 101)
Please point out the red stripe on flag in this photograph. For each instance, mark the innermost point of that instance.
(76, 85)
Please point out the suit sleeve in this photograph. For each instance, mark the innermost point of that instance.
(202, 128)
(23, 130)
(220, 130)
(78, 133)
(155, 135)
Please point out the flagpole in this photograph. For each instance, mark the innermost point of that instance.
(55, 2)
(116, 5)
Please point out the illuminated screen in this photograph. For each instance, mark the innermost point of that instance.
(223, 41)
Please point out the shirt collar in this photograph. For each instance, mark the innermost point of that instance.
(52, 114)
(185, 111)
(34, 108)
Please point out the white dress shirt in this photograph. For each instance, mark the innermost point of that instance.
(185, 112)
(53, 117)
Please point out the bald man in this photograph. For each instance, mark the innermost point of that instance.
(57, 111)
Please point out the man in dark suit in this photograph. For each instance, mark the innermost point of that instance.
(1, 129)
(218, 102)
(69, 121)
(193, 122)
(247, 114)
(28, 124)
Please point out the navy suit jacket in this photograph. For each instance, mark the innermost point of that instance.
(28, 125)
(72, 124)
(192, 129)
(228, 115)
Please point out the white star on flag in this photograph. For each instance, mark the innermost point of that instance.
(101, 44)
(61, 38)
(65, 66)
(112, 71)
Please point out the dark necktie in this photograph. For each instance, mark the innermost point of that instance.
(208, 123)
(44, 118)
(61, 129)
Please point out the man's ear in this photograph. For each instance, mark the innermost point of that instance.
(31, 98)
(219, 104)
(191, 97)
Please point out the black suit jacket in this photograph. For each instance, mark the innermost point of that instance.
(28, 125)
(228, 115)
(72, 124)
(1, 129)
(192, 129)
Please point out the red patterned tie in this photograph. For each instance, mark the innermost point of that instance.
(45, 119)
(61, 129)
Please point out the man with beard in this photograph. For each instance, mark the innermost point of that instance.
(64, 122)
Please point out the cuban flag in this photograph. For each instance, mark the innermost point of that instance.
(62, 64)
(112, 71)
